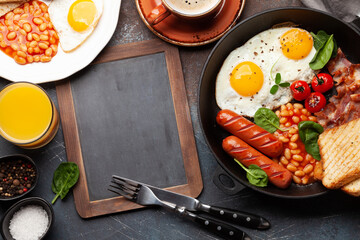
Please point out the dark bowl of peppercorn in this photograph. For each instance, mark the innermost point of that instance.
(18, 176)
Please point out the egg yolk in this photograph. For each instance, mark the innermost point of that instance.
(296, 43)
(247, 79)
(81, 14)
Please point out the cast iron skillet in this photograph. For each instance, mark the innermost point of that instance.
(347, 37)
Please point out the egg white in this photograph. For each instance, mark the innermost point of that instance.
(69, 38)
(264, 50)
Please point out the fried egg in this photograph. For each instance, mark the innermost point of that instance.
(74, 20)
(244, 81)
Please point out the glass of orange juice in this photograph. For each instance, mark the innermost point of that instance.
(28, 117)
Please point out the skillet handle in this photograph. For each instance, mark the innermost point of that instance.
(356, 23)
(234, 187)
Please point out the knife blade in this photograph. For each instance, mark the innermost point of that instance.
(191, 204)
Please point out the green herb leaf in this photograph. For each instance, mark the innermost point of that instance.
(267, 119)
(274, 89)
(319, 39)
(284, 84)
(309, 134)
(255, 175)
(326, 48)
(65, 177)
(278, 78)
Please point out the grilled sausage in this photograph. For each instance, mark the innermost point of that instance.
(236, 148)
(249, 132)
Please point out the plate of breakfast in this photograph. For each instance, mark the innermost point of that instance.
(278, 103)
(49, 40)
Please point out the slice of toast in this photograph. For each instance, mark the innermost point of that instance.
(352, 188)
(340, 154)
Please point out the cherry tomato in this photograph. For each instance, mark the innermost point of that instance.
(322, 82)
(315, 102)
(300, 90)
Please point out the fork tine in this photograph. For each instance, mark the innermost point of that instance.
(128, 181)
(122, 193)
(126, 186)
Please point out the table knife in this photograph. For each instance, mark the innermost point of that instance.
(191, 204)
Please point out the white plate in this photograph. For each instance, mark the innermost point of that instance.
(66, 64)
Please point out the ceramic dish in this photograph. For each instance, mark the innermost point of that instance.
(25, 159)
(66, 64)
(5, 222)
(185, 33)
(312, 20)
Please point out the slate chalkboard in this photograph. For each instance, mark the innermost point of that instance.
(127, 114)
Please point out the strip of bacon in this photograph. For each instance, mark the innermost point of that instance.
(345, 106)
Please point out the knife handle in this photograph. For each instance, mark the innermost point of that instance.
(241, 218)
(223, 230)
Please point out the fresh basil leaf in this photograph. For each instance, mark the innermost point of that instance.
(309, 134)
(274, 89)
(267, 119)
(255, 175)
(323, 56)
(284, 84)
(65, 177)
(278, 78)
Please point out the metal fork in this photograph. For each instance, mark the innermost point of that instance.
(144, 196)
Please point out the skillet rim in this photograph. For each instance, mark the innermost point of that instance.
(234, 177)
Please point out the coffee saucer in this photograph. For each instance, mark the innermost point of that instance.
(185, 33)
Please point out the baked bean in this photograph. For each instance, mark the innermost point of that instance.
(9, 15)
(37, 13)
(29, 37)
(18, 11)
(23, 47)
(284, 113)
(24, 16)
(312, 161)
(284, 161)
(308, 168)
(36, 50)
(291, 167)
(26, 7)
(304, 111)
(44, 37)
(277, 113)
(20, 60)
(33, 44)
(287, 153)
(283, 139)
(50, 25)
(289, 106)
(10, 28)
(42, 27)
(14, 46)
(299, 173)
(295, 163)
(55, 35)
(308, 157)
(47, 16)
(23, 32)
(27, 27)
(43, 45)
(11, 35)
(21, 54)
(3, 44)
(303, 118)
(30, 58)
(36, 37)
(294, 138)
(43, 7)
(38, 21)
(297, 179)
(30, 50)
(288, 124)
(45, 59)
(291, 113)
(54, 48)
(16, 17)
(305, 180)
(297, 158)
(296, 151)
(296, 111)
(48, 52)
(293, 130)
(293, 145)
(283, 120)
(31, 9)
(36, 58)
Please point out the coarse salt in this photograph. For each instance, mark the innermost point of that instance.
(29, 223)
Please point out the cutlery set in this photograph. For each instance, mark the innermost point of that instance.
(190, 208)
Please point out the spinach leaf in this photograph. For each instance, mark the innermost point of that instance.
(267, 119)
(65, 177)
(320, 39)
(323, 55)
(255, 175)
(309, 134)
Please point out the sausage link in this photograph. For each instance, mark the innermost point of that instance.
(240, 150)
(249, 132)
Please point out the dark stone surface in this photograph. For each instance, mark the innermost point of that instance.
(333, 216)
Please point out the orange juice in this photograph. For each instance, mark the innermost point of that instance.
(28, 117)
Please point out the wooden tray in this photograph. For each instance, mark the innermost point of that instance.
(101, 110)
